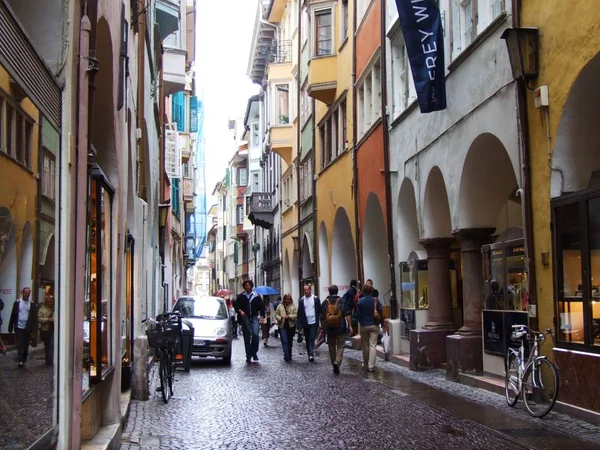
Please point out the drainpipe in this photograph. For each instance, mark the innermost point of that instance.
(298, 142)
(386, 163)
(86, 66)
(523, 130)
(359, 267)
(315, 208)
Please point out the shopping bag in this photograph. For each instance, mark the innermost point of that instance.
(387, 345)
(320, 338)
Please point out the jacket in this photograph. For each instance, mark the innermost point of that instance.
(282, 311)
(251, 308)
(345, 307)
(32, 321)
(302, 320)
(364, 311)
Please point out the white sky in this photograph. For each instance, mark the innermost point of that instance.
(223, 38)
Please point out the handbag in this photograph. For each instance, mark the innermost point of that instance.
(376, 314)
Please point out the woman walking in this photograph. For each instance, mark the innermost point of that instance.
(369, 314)
(286, 315)
(46, 321)
(266, 324)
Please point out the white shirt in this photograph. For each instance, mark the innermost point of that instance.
(309, 309)
(24, 307)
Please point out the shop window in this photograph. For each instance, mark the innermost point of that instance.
(98, 311)
(577, 269)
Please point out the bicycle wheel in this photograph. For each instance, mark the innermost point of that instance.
(164, 376)
(511, 380)
(540, 387)
(171, 367)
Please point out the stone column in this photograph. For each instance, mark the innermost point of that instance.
(440, 290)
(428, 345)
(464, 349)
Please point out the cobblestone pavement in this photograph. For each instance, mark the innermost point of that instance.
(301, 405)
(26, 399)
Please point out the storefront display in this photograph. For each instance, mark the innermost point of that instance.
(577, 269)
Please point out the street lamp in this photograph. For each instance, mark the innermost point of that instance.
(163, 209)
(522, 46)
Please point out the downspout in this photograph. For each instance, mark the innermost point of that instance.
(314, 212)
(79, 214)
(359, 267)
(526, 173)
(298, 146)
(386, 163)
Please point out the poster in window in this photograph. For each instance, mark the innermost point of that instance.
(493, 332)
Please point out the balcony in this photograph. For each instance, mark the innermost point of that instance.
(280, 52)
(282, 139)
(322, 78)
(188, 189)
(174, 79)
(261, 209)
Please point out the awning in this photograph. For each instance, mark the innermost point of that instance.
(167, 17)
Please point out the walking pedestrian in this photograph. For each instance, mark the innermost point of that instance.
(249, 307)
(349, 298)
(46, 320)
(286, 315)
(309, 312)
(336, 319)
(232, 316)
(24, 322)
(266, 324)
(2, 347)
(369, 313)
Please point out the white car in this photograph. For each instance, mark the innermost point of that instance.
(212, 327)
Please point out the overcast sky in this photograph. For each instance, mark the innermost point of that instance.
(223, 34)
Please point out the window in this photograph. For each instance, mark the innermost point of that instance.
(306, 179)
(254, 182)
(369, 99)
(242, 176)
(468, 21)
(362, 6)
(305, 26)
(464, 24)
(16, 133)
(282, 105)
(344, 30)
(255, 138)
(323, 32)
(332, 131)
(48, 171)
(98, 325)
(179, 100)
(175, 197)
(305, 107)
(239, 213)
(577, 267)
(403, 92)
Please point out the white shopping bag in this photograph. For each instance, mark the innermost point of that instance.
(387, 345)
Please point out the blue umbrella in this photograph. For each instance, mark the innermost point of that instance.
(408, 286)
(266, 290)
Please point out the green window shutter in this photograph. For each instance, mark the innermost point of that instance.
(178, 101)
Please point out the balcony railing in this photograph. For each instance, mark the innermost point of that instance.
(280, 52)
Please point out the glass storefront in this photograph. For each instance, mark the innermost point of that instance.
(98, 326)
(577, 269)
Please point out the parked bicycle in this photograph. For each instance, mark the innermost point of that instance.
(163, 334)
(534, 378)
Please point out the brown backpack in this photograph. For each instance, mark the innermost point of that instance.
(333, 315)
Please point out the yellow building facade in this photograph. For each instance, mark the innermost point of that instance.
(565, 176)
(330, 85)
(19, 166)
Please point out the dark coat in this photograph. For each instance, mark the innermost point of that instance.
(253, 308)
(32, 321)
(302, 322)
(345, 308)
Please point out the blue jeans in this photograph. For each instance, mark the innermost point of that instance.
(251, 337)
(310, 334)
(287, 341)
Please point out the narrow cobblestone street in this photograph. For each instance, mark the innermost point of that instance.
(302, 405)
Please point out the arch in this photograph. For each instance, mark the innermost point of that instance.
(307, 261)
(324, 277)
(47, 263)
(103, 128)
(487, 181)
(375, 246)
(295, 280)
(578, 134)
(8, 263)
(436, 210)
(287, 282)
(26, 260)
(343, 254)
(407, 222)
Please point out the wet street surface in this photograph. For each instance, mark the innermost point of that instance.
(275, 405)
(26, 399)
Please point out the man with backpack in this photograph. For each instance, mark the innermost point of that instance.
(336, 320)
(309, 311)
